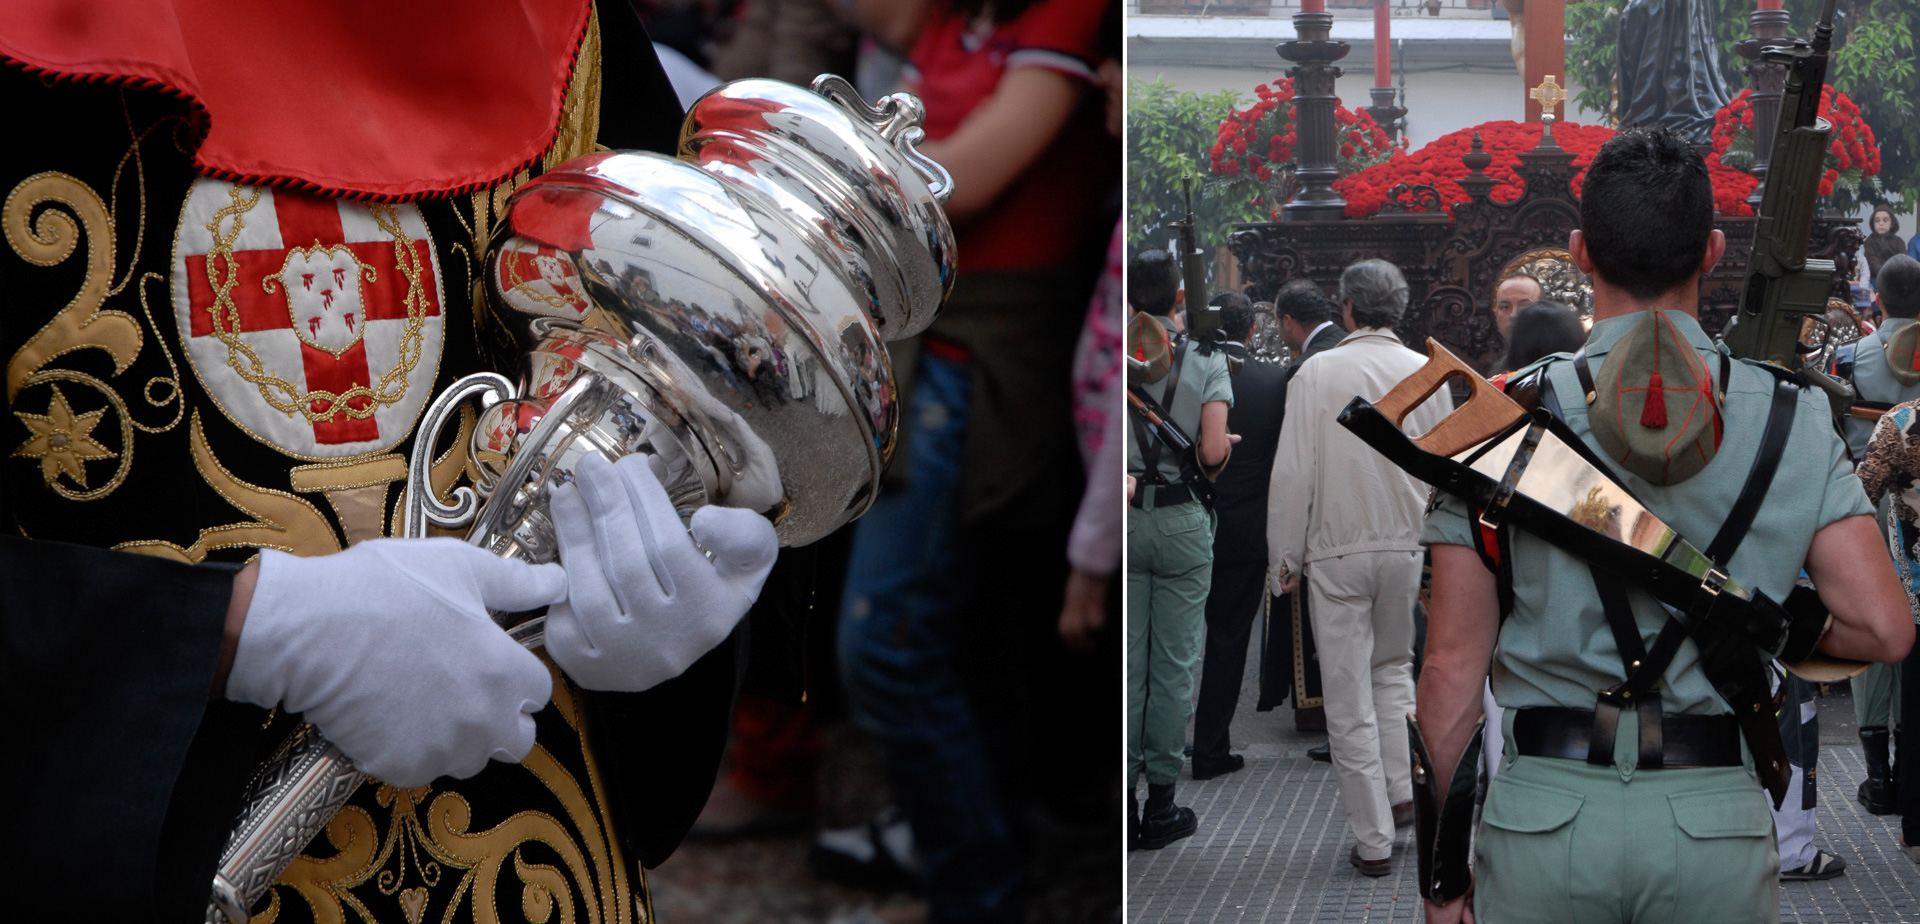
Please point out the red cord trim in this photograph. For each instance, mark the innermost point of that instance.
(202, 122)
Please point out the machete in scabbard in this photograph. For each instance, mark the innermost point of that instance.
(1443, 822)
(1527, 470)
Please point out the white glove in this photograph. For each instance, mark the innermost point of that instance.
(642, 603)
(388, 649)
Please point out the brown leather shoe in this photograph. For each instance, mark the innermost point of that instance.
(1403, 814)
(1380, 867)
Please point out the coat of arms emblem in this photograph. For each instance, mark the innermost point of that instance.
(314, 323)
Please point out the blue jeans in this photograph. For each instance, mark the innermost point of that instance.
(897, 625)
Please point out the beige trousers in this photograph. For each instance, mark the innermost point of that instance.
(1362, 607)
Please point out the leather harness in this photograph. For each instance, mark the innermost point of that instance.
(1665, 740)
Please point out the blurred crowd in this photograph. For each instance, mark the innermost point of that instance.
(965, 631)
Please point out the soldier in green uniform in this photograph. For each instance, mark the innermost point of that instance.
(1577, 828)
(1882, 368)
(1169, 552)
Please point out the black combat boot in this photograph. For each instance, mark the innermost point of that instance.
(1163, 822)
(1133, 821)
(1877, 791)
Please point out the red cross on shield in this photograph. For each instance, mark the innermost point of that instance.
(315, 323)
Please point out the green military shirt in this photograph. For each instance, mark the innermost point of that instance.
(1873, 381)
(1203, 378)
(1555, 648)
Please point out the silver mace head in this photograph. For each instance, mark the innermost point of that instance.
(723, 312)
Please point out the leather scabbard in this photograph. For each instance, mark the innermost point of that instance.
(1730, 631)
(1443, 822)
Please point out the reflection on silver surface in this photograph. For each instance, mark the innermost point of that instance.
(1559, 478)
(732, 306)
(723, 314)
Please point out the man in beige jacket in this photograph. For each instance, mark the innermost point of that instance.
(1352, 519)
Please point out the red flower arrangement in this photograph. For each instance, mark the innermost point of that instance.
(1437, 164)
(1853, 157)
(1254, 152)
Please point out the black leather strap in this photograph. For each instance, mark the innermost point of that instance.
(1150, 448)
(1686, 740)
(1643, 669)
(1168, 495)
(1773, 445)
(1580, 369)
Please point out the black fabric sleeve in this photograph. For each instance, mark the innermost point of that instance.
(638, 108)
(106, 659)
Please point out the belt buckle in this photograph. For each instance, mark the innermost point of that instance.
(1713, 580)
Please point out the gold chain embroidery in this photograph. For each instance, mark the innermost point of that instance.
(361, 269)
(223, 274)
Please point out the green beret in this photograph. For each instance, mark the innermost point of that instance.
(1903, 354)
(1655, 411)
(1147, 342)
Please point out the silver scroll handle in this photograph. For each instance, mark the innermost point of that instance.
(898, 119)
(289, 801)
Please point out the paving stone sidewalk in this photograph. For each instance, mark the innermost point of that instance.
(1272, 844)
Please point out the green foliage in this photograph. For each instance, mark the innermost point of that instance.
(1592, 29)
(1168, 134)
(1873, 62)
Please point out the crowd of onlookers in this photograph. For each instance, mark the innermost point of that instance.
(967, 624)
(1346, 644)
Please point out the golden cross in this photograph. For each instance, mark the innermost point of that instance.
(1548, 94)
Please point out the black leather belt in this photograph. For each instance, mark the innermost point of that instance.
(1165, 495)
(1686, 740)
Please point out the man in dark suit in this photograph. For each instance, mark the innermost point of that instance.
(1309, 323)
(1240, 540)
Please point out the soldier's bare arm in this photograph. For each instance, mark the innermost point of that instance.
(1463, 622)
(1850, 567)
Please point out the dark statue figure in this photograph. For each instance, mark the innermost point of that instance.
(1669, 69)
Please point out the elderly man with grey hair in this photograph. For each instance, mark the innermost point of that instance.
(1343, 515)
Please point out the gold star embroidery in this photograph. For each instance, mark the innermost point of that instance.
(61, 441)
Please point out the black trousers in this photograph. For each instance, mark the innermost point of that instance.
(1232, 604)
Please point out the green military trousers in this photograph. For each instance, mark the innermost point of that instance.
(1876, 696)
(1567, 841)
(1169, 571)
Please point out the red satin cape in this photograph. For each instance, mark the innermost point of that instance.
(375, 99)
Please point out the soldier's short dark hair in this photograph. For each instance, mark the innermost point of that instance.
(1153, 281)
(1303, 301)
(1646, 211)
(1236, 313)
(1899, 286)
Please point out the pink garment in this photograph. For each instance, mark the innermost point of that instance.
(1094, 546)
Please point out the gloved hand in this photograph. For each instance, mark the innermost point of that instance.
(642, 602)
(388, 649)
